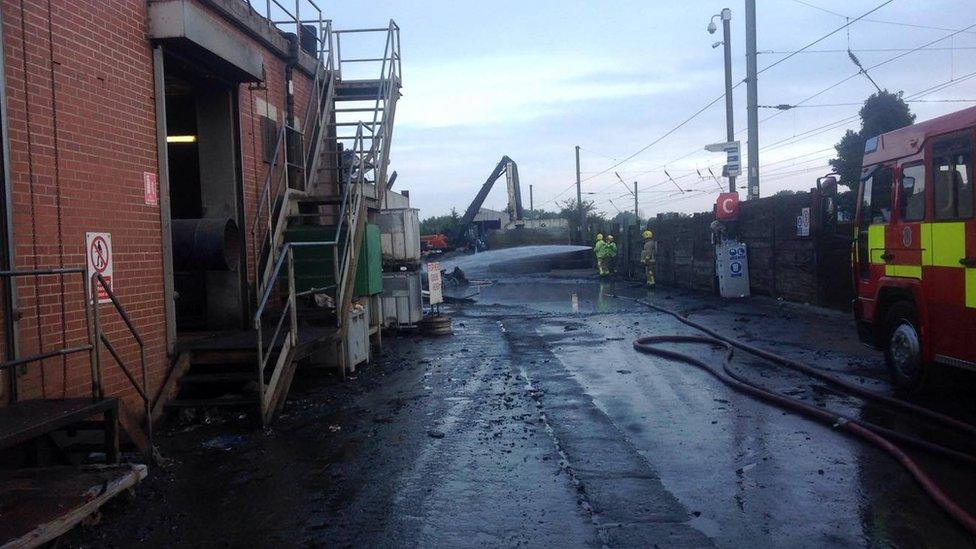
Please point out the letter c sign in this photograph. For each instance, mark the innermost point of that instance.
(727, 206)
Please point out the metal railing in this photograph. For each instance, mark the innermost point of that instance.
(275, 343)
(267, 229)
(99, 282)
(94, 336)
(287, 17)
(282, 343)
(376, 160)
(64, 351)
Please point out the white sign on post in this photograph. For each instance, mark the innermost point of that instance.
(803, 223)
(733, 162)
(434, 283)
(99, 252)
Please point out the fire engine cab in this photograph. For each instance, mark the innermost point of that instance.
(914, 255)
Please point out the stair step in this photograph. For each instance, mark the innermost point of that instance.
(360, 109)
(321, 200)
(88, 425)
(232, 402)
(85, 447)
(218, 356)
(226, 377)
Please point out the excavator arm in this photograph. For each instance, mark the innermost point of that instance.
(514, 198)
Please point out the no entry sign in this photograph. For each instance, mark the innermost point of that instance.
(99, 252)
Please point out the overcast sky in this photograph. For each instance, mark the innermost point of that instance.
(533, 78)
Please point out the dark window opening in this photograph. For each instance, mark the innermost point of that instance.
(912, 206)
(952, 179)
(269, 135)
(880, 203)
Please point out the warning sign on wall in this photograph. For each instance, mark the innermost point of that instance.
(99, 246)
(151, 183)
(434, 283)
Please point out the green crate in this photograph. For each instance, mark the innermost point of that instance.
(369, 270)
(313, 266)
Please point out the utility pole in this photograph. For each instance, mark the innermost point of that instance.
(729, 120)
(531, 205)
(752, 100)
(579, 200)
(636, 212)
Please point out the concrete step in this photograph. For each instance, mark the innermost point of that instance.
(226, 377)
(239, 401)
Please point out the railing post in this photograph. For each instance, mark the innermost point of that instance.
(97, 389)
(292, 301)
(92, 340)
(260, 362)
(335, 277)
(146, 402)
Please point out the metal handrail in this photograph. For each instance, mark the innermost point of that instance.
(293, 16)
(321, 85)
(94, 335)
(350, 211)
(98, 281)
(287, 257)
(96, 376)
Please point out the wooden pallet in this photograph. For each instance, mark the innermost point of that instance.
(39, 505)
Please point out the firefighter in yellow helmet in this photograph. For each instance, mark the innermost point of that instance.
(647, 256)
(611, 255)
(600, 248)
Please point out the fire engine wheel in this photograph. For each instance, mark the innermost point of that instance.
(903, 348)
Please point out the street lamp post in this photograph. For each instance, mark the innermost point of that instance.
(726, 16)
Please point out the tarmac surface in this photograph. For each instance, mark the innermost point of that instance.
(537, 424)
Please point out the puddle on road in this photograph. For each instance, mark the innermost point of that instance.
(557, 296)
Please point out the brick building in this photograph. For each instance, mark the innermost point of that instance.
(179, 144)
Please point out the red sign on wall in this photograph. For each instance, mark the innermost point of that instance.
(152, 188)
(727, 206)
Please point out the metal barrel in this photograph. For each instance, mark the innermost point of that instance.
(206, 245)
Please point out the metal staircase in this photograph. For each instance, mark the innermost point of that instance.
(312, 182)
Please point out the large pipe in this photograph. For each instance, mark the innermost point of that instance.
(871, 433)
(206, 245)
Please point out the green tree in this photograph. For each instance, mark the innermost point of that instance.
(440, 224)
(624, 219)
(882, 112)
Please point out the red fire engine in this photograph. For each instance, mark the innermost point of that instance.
(914, 257)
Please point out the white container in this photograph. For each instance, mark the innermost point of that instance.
(402, 299)
(357, 338)
(732, 266)
(357, 344)
(399, 236)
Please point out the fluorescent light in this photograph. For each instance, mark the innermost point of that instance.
(181, 139)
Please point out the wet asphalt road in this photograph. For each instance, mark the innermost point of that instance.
(537, 424)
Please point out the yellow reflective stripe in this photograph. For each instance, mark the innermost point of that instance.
(948, 244)
(876, 242)
(904, 271)
(926, 243)
(971, 287)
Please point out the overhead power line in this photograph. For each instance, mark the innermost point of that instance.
(721, 97)
(872, 20)
(826, 36)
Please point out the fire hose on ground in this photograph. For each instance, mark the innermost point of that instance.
(875, 434)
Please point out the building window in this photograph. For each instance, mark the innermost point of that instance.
(952, 179)
(912, 206)
(269, 136)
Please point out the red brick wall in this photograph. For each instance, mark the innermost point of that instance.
(82, 133)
